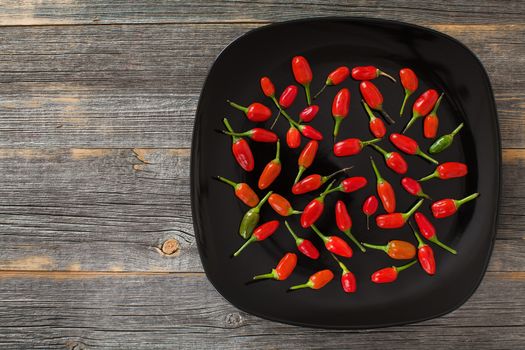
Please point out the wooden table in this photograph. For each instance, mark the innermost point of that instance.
(97, 101)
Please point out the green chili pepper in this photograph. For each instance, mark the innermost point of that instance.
(251, 218)
(444, 141)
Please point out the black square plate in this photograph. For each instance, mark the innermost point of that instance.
(441, 63)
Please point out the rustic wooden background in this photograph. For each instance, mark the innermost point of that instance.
(97, 101)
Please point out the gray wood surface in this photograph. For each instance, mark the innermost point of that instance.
(97, 101)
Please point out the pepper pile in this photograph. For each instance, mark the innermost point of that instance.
(383, 197)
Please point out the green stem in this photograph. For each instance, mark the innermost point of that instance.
(227, 125)
(378, 175)
(404, 267)
(271, 275)
(349, 234)
(247, 243)
(328, 177)
(276, 119)
(258, 207)
(370, 142)
(237, 106)
(415, 116)
(225, 180)
(341, 265)
(327, 190)
(238, 134)
(290, 120)
(320, 91)
(380, 150)
(387, 116)
(307, 90)
(456, 130)
(430, 176)
(299, 174)
(460, 202)
(276, 103)
(291, 231)
(412, 210)
(426, 156)
(316, 230)
(418, 237)
(300, 286)
(375, 246)
(436, 106)
(407, 95)
(387, 75)
(337, 125)
(371, 115)
(278, 151)
(437, 242)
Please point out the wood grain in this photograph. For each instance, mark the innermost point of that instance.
(171, 311)
(65, 12)
(111, 210)
(127, 86)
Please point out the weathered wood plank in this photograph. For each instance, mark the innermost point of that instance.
(102, 11)
(169, 311)
(137, 86)
(111, 209)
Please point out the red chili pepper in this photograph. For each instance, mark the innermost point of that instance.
(376, 125)
(446, 207)
(423, 105)
(293, 137)
(370, 206)
(283, 270)
(409, 146)
(429, 231)
(309, 113)
(302, 74)
(409, 82)
(256, 112)
(413, 187)
(396, 220)
(267, 87)
(425, 254)
(374, 98)
(314, 209)
(335, 78)
(449, 170)
(344, 223)
(281, 205)
(431, 121)
(335, 244)
(352, 146)
(385, 191)
(393, 160)
(313, 182)
(306, 158)
(348, 281)
(256, 134)
(340, 108)
(316, 281)
(288, 96)
(396, 249)
(305, 246)
(369, 73)
(241, 149)
(389, 274)
(350, 184)
(243, 191)
(310, 132)
(272, 170)
(260, 234)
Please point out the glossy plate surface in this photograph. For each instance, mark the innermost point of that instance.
(441, 63)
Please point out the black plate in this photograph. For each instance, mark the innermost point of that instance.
(440, 62)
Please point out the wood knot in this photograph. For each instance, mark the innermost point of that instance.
(234, 320)
(170, 246)
(74, 345)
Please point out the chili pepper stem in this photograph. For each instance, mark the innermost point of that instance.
(227, 125)
(456, 130)
(341, 265)
(299, 174)
(412, 210)
(316, 230)
(388, 76)
(258, 207)
(307, 91)
(412, 120)
(376, 171)
(328, 177)
(407, 95)
(299, 286)
(337, 125)
(387, 116)
(436, 106)
(320, 91)
(329, 190)
(419, 239)
(226, 181)
(271, 275)
(404, 267)
(276, 119)
(424, 195)
(371, 115)
(349, 234)
(379, 149)
(460, 202)
(426, 156)
(375, 246)
(291, 231)
(428, 177)
(370, 142)
(278, 150)
(247, 243)
(237, 106)
(442, 245)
